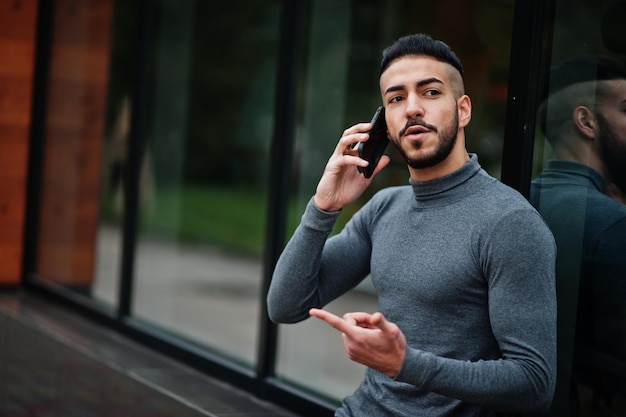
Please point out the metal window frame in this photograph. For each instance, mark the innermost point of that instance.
(526, 64)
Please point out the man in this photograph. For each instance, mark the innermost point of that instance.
(584, 120)
(463, 266)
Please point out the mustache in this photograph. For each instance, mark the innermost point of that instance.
(416, 122)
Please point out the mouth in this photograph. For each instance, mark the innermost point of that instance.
(416, 129)
(416, 132)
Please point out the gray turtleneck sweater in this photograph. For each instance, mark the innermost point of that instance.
(465, 267)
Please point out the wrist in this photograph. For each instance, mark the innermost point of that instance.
(324, 206)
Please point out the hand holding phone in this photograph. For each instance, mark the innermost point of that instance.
(372, 149)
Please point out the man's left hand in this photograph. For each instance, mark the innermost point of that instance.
(369, 339)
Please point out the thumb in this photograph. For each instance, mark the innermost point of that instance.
(389, 329)
(380, 321)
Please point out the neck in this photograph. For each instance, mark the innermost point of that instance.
(583, 155)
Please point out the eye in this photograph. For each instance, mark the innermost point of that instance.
(396, 99)
(432, 92)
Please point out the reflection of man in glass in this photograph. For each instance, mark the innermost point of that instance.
(584, 119)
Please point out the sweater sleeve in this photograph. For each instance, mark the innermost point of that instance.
(518, 259)
(314, 269)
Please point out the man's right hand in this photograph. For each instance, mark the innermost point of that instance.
(341, 182)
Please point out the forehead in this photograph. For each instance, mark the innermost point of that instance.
(614, 89)
(411, 69)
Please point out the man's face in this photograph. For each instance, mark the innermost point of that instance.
(422, 111)
(611, 116)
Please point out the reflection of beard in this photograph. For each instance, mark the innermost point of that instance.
(447, 139)
(613, 153)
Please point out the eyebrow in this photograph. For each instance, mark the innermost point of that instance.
(429, 81)
(421, 83)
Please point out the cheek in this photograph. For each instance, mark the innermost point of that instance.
(442, 118)
(394, 125)
(620, 128)
(617, 127)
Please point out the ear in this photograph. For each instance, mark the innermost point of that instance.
(585, 122)
(464, 105)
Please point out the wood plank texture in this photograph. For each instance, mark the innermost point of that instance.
(17, 47)
(74, 138)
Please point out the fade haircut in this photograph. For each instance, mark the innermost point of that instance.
(574, 82)
(420, 44)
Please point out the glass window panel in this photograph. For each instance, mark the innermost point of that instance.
(198, 261)
(579, 189)
(115, 161)
(340, 88)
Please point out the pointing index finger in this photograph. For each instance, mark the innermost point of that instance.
(333, 320)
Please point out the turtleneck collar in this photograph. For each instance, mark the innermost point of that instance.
(575, 171)
(449, 188)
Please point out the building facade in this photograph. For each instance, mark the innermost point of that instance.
(157, 155)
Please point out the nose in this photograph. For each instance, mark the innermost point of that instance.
(414, 108)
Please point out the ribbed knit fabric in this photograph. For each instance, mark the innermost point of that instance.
(465, 267)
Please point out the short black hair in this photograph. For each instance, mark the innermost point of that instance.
(581, 69)
(420, 44)
(574, 71)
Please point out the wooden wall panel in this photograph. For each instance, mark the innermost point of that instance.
(74, 138)
(17, 46)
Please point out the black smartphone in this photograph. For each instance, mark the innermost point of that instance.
(372, 149)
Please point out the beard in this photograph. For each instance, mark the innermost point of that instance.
(447, 140)
(613, 153)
